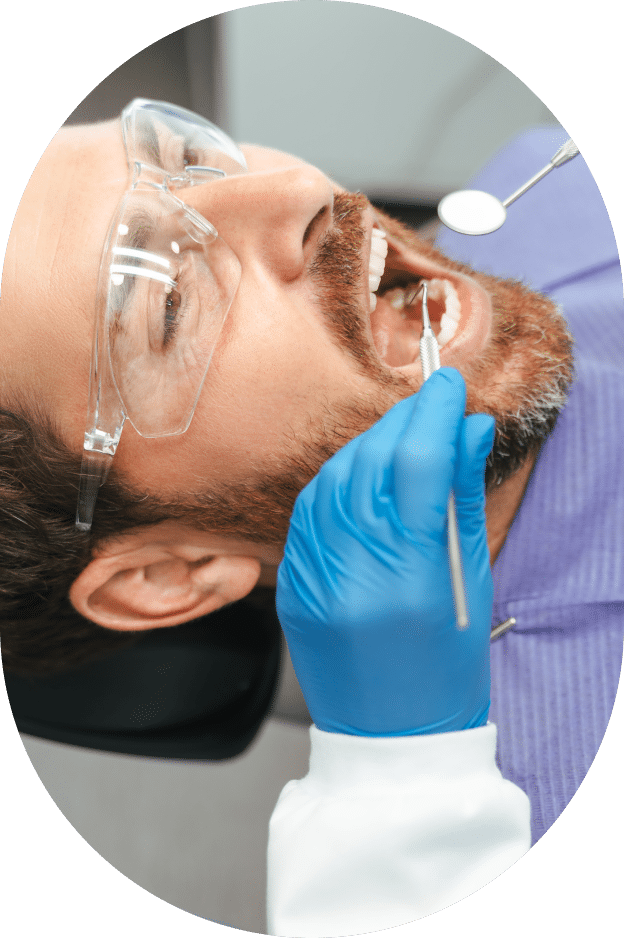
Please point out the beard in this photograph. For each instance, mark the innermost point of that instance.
(521, 378)
(522, 375)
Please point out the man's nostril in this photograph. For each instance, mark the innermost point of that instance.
(319, 215)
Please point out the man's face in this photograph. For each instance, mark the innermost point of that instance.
(304, 362)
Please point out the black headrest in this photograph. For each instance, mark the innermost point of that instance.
(195, 691)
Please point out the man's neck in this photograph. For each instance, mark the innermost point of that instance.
(501, 506)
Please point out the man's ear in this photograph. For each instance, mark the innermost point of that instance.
(142, 581)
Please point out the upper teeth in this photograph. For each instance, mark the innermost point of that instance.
(377, 262)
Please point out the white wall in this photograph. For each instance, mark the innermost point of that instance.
(381, 101)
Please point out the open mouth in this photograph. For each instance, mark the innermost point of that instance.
(396, 321)
(458, 307)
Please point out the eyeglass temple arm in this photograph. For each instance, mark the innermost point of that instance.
(93, 473)
(97, 457)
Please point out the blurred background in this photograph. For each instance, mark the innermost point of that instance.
(380, 101)
(383, 103)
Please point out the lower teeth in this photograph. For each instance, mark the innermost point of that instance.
(442, 291)
(397, 296)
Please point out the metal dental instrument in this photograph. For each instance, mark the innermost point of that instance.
(502, 628)
(430, 361)
(473, 212)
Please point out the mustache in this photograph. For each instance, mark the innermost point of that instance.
(336, 272)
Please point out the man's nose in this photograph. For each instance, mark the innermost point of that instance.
(274, 217)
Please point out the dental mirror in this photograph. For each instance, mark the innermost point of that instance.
(473, 212)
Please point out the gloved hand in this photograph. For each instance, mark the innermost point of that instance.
(364, 591)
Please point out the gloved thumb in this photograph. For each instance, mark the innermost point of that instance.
(425, 457)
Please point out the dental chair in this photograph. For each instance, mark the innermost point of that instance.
(199, 691)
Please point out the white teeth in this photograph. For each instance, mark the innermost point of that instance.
(452, 307)
(376, 265)
(379, 246)
(395, 297)
(451, 315)
(441, 291)
(377, 262)
(436, 290)
(448, 328)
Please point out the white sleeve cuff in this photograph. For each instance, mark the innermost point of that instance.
(384, 830)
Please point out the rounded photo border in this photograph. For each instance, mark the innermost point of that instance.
(569, 881)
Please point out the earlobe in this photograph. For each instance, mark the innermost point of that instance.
(154, 586)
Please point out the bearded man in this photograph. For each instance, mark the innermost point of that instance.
(287, 323)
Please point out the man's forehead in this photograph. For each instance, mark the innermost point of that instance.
(52, 262)
(90, 148)
(71, 200)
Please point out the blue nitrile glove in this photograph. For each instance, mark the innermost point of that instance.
(364, 590)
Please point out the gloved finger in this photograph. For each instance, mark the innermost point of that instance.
(425, 457)
(375, 460)
(370, 483)
(333, 478)
(475, 442)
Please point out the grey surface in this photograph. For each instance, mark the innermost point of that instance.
(289, 704)
(160, 71)
(194, 834)
(381, 101)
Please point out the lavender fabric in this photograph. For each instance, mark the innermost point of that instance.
(561, 571)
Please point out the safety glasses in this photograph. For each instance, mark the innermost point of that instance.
(166, 284)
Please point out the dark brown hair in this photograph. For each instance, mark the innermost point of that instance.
(42, 552)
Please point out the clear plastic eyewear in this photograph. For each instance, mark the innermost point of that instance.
(166, 284)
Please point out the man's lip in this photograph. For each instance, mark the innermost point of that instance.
(475, 304)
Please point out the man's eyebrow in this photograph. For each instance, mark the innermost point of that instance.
(151, 144)
(140, 228)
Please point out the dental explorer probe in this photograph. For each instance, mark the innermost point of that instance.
(430, 362)
(473, 212)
